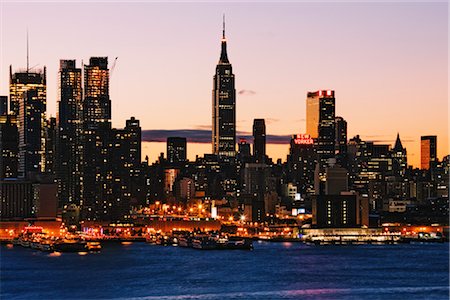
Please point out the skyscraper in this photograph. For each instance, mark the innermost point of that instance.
(28, 102)
(9, 141)
(126, 163)
(400, 162)
(244, 149)
(341, 141)
(224, 106)
(50, 146)
(9, 146)
(301, 162)
(176, 150)
(428, 155)
(31, 124)
(3, 105)
(97, 139)
(70, 130)
(259, 140)
(320, 123)
(25, 80)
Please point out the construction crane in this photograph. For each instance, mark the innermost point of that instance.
(112, 67)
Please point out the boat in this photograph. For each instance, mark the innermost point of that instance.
(211, 242)
(237, 243)
(185, 241)
(204, 242)
(24, 242)
(34, 244)
(69, 246)
(45, 246)
(93, 246)
(164, 240)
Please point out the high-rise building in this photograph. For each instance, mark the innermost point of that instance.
(28, 102)
(70, 131)
(255, 188)
(400, 162)
(50, 146)
(259, 140)
(428, 154)
(126, 161)
(9, 146)
(341, 141)
(3, 105)
(176, 150)
(25, 80)
(244, 150)
(301, 163)
(97, 141)
(224, 106)
(31, 124)
(320, 122)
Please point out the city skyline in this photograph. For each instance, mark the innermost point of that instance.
(407, 116)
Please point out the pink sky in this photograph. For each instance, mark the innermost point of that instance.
(387, 62)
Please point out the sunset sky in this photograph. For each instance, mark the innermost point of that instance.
(387, 62)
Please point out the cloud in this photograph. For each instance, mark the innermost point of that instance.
(204, 136)
(390, 141)
(192, 135)
(203, 127)
(246, 92)
(271, 120)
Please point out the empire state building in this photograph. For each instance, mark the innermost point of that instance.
(224, 106)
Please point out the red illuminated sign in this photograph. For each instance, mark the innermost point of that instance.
(303, 139)
(33, 228)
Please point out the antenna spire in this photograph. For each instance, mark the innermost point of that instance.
(28, 54)
(223, 31)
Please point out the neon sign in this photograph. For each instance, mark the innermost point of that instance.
(303, 139)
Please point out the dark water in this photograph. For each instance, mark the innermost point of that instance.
(270, 271)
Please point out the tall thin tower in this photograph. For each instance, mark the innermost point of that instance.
(224, 105)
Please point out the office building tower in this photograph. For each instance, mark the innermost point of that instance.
(341, 141)
(97, 139)
(244, 150)
(126, 169)
(28, 102)
(320, 122)
(224, 106)
(301, 163)
(255, 188)
(9, 146)
(428, 152)
(3, 105)
(176, 150)
(400, 162)
(259, 140)
(31, 124)
(50, 146)
(70, 132)
(25, 80)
